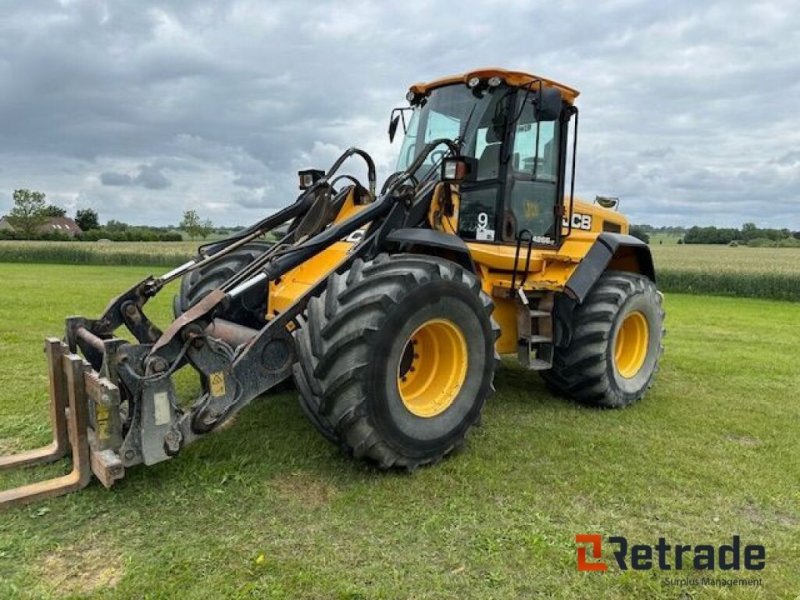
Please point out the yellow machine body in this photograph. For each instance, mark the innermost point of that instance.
(548, 269)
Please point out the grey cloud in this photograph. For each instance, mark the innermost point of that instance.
(148, 177)
(115, 179)
(790, 159)
(151, 178)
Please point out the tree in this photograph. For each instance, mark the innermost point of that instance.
(28, 214)
(87, 219)
(192, 225)
(206, 227)
(118, 226)
(638, 231)
(750, 231)
(51, 210)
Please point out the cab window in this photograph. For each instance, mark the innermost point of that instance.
(533, 179)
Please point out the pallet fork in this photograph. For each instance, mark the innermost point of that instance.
(73, 385)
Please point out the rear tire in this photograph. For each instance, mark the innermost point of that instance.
(616, 343)
(364, 352)
(249, 309)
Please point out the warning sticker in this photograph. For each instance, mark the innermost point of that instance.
(484, 235)
(217, 381)
(162, 412)
(102, 419)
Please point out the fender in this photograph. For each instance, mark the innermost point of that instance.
(620, 251)
(442, 244)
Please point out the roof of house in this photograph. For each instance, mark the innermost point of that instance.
(63, 224)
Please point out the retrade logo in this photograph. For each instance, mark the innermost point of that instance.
(595, 542)
(665, 557)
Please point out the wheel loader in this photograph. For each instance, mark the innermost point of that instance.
(389, 309)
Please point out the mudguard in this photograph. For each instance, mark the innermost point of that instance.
(629, 254)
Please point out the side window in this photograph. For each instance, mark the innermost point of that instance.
(533, 190)
(488, 144)
(535, 150)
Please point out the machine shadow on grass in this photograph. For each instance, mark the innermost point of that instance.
(241, 446)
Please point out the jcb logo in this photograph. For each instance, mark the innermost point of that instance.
(596, 543)
(579, 221)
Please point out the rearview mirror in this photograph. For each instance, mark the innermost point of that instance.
(393, 127)
(548, 104)
(397, 116)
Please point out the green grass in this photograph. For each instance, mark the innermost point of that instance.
(268, 509)
(664, 238)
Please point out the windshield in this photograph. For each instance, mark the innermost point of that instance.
(456, 111)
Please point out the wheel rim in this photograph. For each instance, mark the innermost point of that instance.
(432, 368)
(630, 350)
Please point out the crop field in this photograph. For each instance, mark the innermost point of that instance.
(699, 269)
(716, 258)
(168, 254)
(729, 271)
(268, 509)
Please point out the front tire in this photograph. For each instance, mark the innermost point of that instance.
(616, 344)
(248, 309)
(396, 358)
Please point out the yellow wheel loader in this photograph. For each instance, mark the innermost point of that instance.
(388, 309)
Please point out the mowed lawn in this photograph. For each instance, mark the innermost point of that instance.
(269, 509)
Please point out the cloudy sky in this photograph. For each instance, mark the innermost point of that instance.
(144, 109)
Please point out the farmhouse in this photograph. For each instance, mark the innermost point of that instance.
(63, 225)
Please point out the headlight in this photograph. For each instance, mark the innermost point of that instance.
(495, 81)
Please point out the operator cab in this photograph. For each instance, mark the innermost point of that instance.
(515, 127)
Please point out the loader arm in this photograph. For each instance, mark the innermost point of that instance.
(133, 414)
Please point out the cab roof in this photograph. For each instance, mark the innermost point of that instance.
(512, 78)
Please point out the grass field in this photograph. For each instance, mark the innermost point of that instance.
(268, 509)
(664, 238)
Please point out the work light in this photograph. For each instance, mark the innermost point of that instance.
(309, 177)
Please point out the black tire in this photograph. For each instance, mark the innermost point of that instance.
(249, 309)
(586, 370)
(351, 343)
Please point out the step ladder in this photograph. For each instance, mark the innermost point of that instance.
(535, 345)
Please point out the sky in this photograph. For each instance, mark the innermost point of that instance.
(142, 109)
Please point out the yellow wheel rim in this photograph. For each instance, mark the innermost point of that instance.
(432, 368)
(630, 350)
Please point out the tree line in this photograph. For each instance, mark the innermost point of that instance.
(749, 234)
(31, 212)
